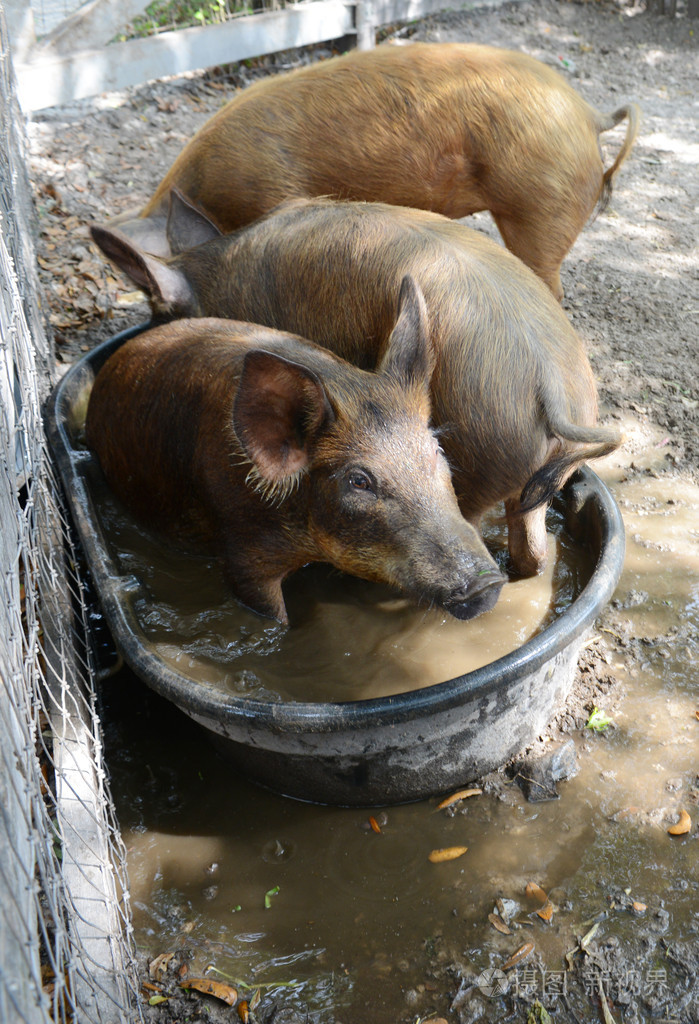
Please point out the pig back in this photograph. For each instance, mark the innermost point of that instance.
(331, 272)
(410, 126)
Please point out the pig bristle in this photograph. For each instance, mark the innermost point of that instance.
(274, 492)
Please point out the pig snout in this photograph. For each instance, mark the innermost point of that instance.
(454, 570)
(476, 595)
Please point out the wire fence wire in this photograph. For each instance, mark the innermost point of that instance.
(65, 933)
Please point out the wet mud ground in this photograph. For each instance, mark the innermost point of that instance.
(324, 917)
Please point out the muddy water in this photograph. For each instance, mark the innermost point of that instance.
(349, 639)
(361, 925)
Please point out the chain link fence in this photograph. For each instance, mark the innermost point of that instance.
(65, 942)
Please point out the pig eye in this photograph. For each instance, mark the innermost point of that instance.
(360, 481)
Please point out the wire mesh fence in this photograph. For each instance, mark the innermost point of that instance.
(65, 944)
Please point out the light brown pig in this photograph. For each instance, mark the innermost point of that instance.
(279, 453)
(513, 394)
(449, 127)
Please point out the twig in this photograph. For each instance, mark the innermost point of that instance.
(608, 1019)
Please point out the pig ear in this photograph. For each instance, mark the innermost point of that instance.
(187, 225)
(167, 286)
(409, 356)
(279, 409)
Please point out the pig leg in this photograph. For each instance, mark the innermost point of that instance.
(538, 243)
(262, 595)
(526, 538)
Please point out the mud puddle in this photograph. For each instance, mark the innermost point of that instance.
(331, 914)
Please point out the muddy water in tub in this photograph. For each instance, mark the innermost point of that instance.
(348, 640)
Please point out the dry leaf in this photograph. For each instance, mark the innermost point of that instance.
(587, 939)
(606, 1013)
(130, 298)
(159, 965)
(461, 795)
(499, 924)
(546, 912)
(447, 853)
(639, 908)
(536, 892)
(243, 1011)
(218, 989)
(375, 827)
(683, 825)
(521, 954)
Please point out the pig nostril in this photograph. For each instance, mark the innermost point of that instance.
(470, 600)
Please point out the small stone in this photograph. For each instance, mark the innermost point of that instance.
(538, 777)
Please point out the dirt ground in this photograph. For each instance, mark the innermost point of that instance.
(631, 282)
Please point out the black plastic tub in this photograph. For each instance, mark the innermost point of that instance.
(366, 752)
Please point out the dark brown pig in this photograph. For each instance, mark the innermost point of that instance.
(279, 453)
(512, 392)
(449, 127)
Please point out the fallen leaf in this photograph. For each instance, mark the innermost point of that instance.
(639, 908)
(375, 827)
(606, 1013)
(536, 892)
(521, 954)
(218, 989)
(587, 939)
(598, 720)
(538, 1014)
(130, 298)
(455, 797)
(268, 896)
(243, 1011)
(158, 966)
(569, 957)
(155, 1000)
(499, 924)
(683, 825)
(546, 912)
(447, 853)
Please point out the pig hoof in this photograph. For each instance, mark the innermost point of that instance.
(480, 598)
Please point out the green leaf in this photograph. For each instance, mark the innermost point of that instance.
(598, 721)
(268, 896)
(538, 1014)
(156, 1000)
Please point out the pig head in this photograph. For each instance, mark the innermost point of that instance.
(279, 453)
